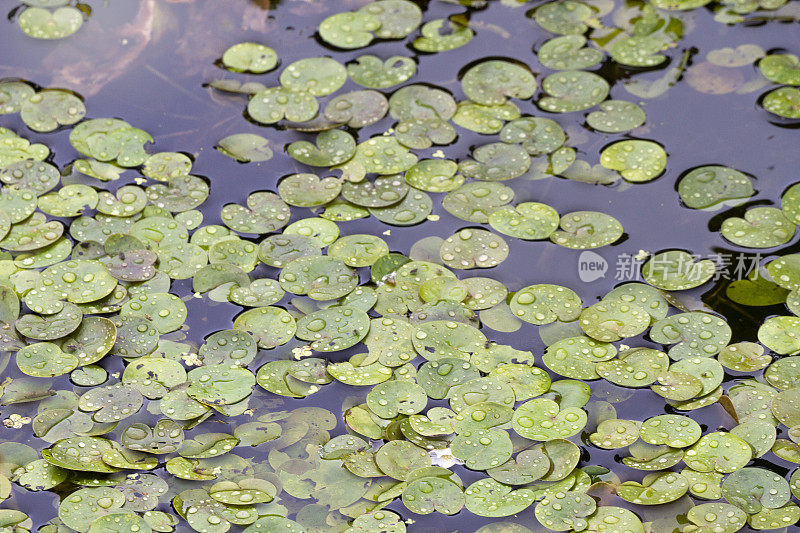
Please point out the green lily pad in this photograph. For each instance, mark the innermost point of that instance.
(47, 110)
(718, 452)
(637, 367)
(582, 230)
(440, 35)
(677, 270)
(655, 489)
(493, 82)
(487, 497)
(333, 329)
(84, 506)
(696, 334)
(635, 160)
(318, 76)
(612, 320)
(616, 116)
(784, 102)
(45, 359)
(572, 90)
(761, 227)
(755, 489)
(428, 494)
(273, 104)
(41, 23)
(250, 57)
(565, 511)
(563, 17)
(676, 431)
(543, 304)
(349, 30)
(638, 50)
(541, 419)
(357, 109)
(568, 52)
(711, 185)
(375, 73)
(245, 147)
(781, 68)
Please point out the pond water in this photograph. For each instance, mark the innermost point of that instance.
(151, 63)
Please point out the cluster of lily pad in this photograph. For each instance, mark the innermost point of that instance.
(90, 271)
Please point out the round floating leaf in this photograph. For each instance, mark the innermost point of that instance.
(761, 227)
(718, 452)
(333, 329)
(676, 431)
(711, 185)
(655, 489)
(45, 359)
(487, 497)
(50, 327)
(391, 398)
(223, 384)
(440, 35)
(317, 76)
(612, 320)
(397, 18)
(541, 419)
(47, 110)
(434, 175)
(528, 220)
(371, 71)
(245, 147)
(638, 50)
(635, 160)
(568, 53)
(677, 270)
(36, 176)
(565, 511)
(320, 277)
(781, 68)
(357, 109)
(496, 162)
(82, 454)
(273, 104)
(536, 135)
(615, 433)
(779, 334)
(166, 311)
(412, 209)
(250, 57)
(616, 116)
(84, 506)
(582, 230)
(572, 90)
(471, 248)
(543, 304)
(492, 82)
(755, 489)
(637, 367)
(43, 24)
(279, 250)
(269, 326)
(349, 30)
(12, 96)
(784, 102)
(696, 334)
(324, 232)
(482, 448)
(428, 494)
(475, 202)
